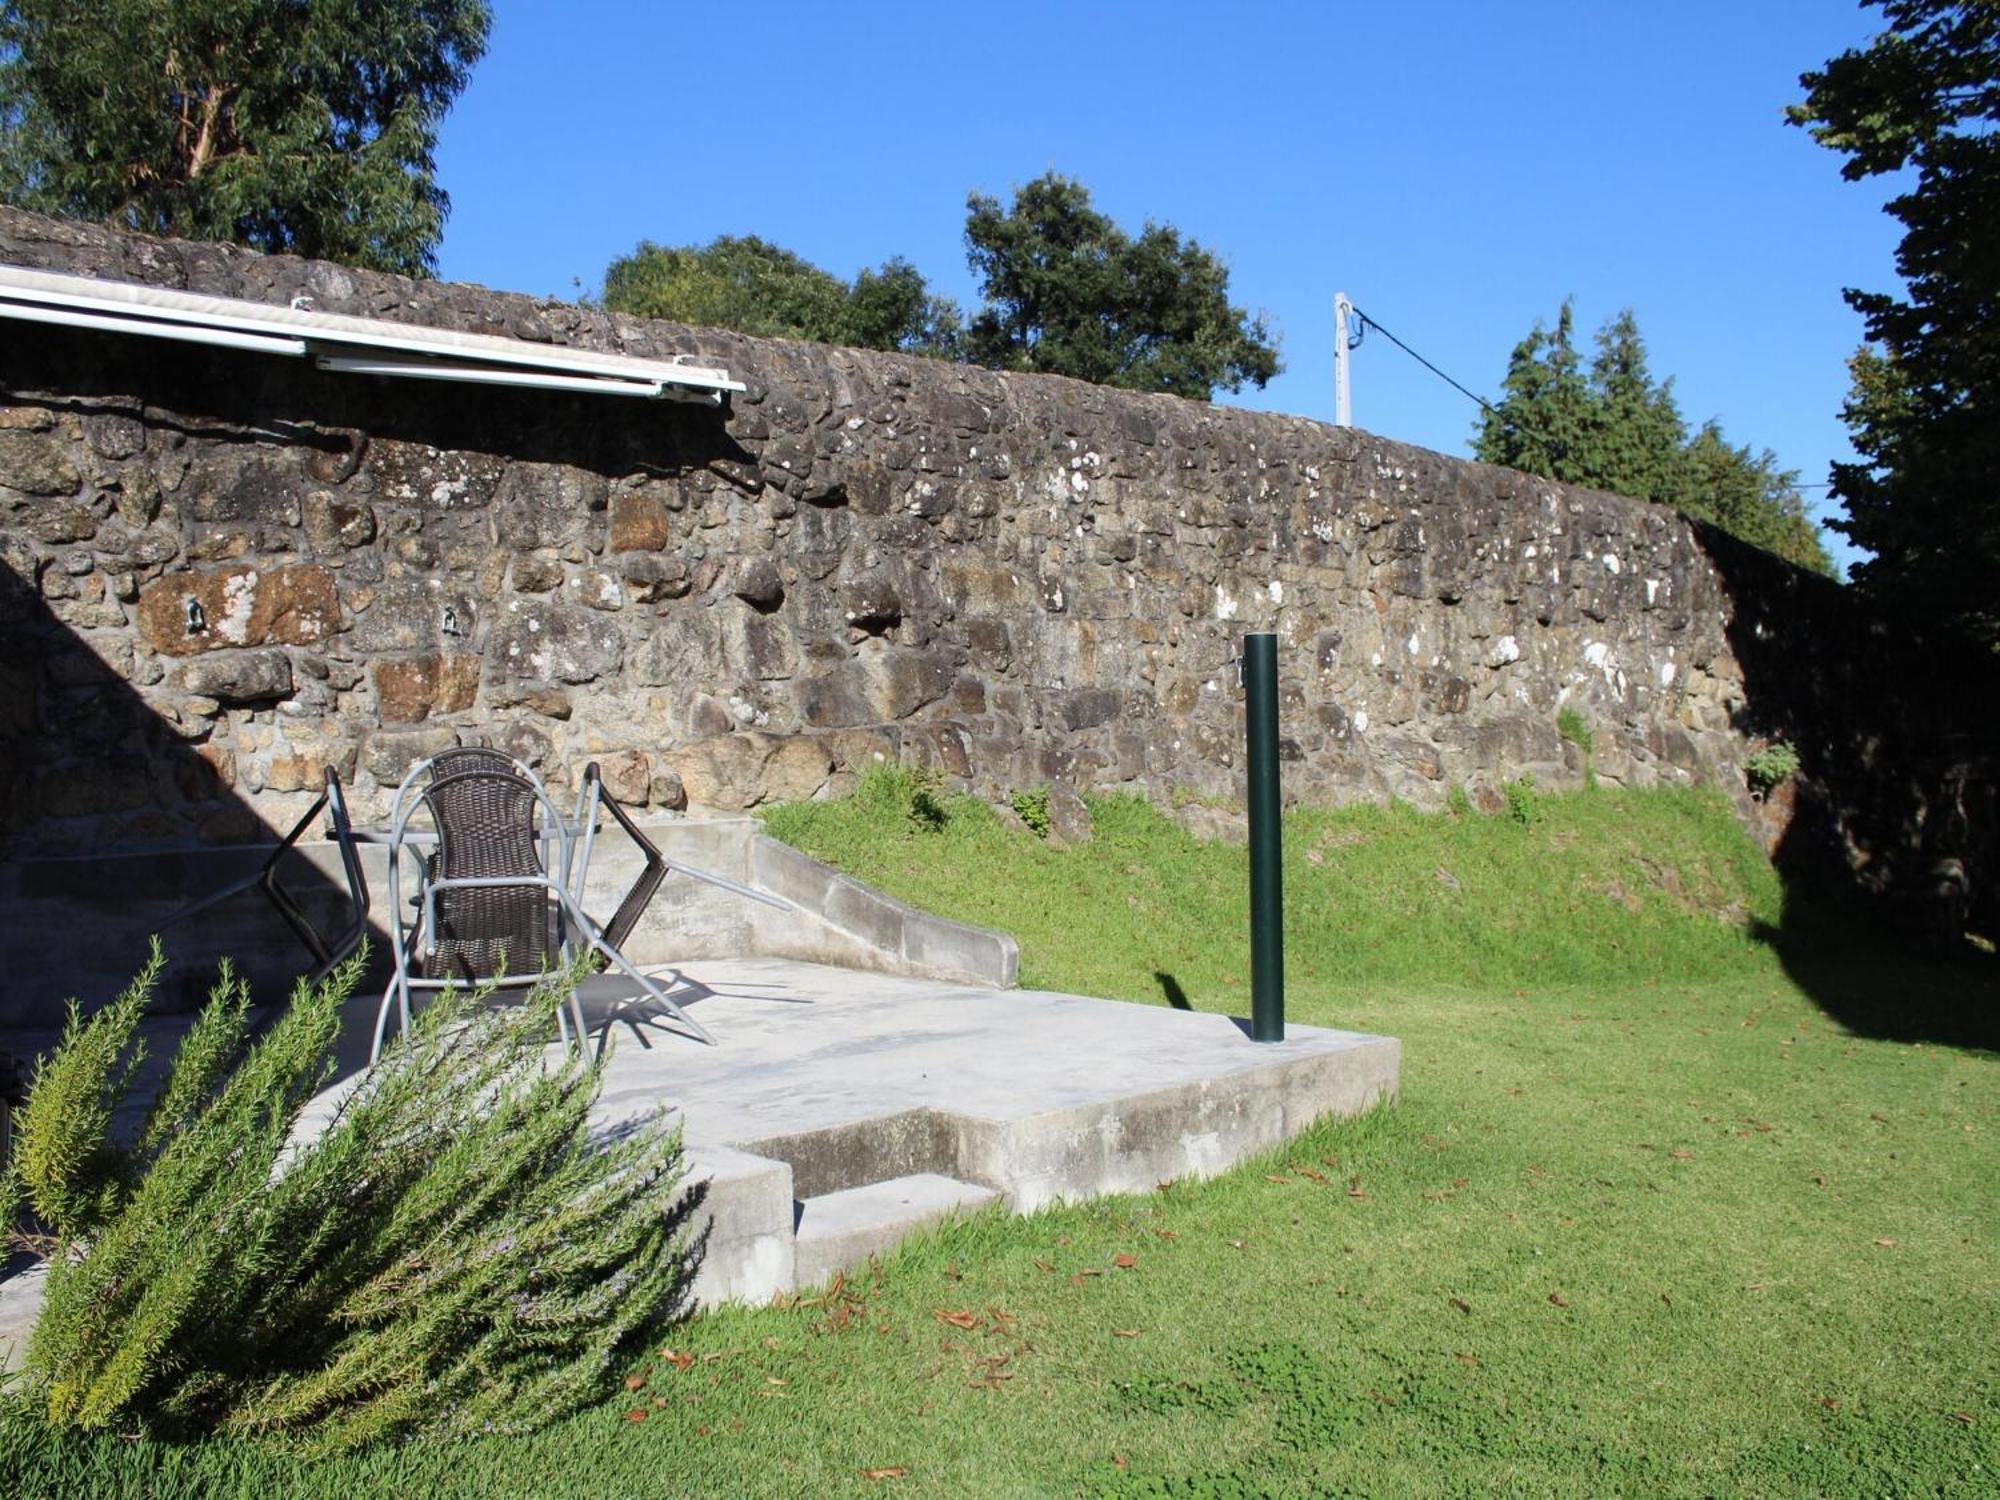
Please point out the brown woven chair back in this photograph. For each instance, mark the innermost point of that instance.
(470, 758)
(487, 829)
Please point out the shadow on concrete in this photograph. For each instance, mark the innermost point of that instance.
(1888, 838)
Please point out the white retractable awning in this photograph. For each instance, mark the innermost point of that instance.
(356, 346)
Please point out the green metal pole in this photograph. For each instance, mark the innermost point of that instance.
(1267, 858)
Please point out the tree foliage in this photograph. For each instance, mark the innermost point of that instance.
(453, 1254)
(1067, 292)
(1610, 425)
(1924, 98)
(753, 286)
(306, 126)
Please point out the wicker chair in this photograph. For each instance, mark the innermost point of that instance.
(500, 901)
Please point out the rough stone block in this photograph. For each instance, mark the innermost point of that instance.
(335, 523)
(411, 690)
(388, 754)
(35, 465)
(551, 641)
(240, 676)
(627, 776)
(239, 605)
(549, 505)
(639, 522)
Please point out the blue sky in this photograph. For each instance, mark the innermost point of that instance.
(1457, 167)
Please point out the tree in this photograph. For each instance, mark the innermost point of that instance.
(306, 126)
(756, 287)
(1615, 428)
(1924, 96)
(1067, 292)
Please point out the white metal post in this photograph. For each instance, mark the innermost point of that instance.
(1343, 400)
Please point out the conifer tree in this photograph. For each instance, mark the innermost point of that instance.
(1923, 100)
(1616, 428)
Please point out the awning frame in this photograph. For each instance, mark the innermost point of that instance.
(348, 345)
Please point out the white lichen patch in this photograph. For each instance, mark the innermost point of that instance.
(239, 600)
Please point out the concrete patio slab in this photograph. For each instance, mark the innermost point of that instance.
(837, 1079)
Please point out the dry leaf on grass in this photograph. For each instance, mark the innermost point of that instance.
(1042, 1265)
(957, 1319)
(635, 1382)
(1462, 1305)
(636, 1414)
(1125, 1333)
(1124, 1261)
(1558, 1299)
(893, 1472)
(1281, 1181)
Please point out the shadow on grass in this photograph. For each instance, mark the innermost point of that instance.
(1875, 977)
(1170, 988)
(1888, 838)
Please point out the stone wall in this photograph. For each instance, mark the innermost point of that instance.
(221, 572)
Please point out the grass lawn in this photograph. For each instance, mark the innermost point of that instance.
(1665, 1207)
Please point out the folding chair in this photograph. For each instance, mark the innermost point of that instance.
(326, 952)
(500, 902)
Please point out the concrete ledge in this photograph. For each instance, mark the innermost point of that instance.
(839, 1231)
(896, 937)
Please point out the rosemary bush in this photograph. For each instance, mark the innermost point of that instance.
(454, 1254)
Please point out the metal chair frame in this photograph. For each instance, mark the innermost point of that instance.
(326, 952)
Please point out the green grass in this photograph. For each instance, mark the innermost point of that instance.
(1589, 889)
(1648, 1218)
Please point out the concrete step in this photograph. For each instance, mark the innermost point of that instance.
(839, 1231)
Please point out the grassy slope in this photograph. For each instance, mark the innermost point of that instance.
(1624, 1232)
